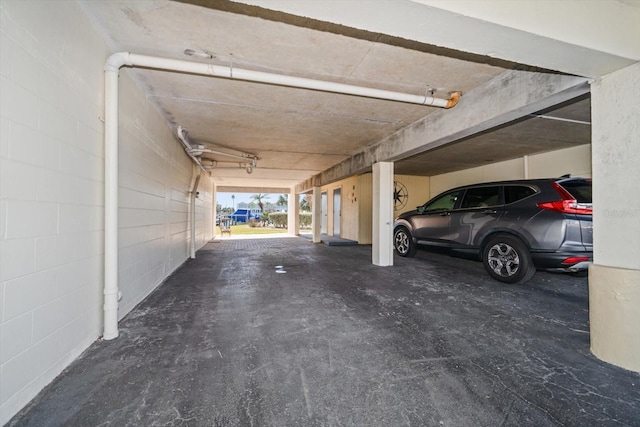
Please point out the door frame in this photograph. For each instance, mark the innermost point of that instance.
(324, 212)
(337, 212)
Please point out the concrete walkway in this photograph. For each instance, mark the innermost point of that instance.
(282, 332)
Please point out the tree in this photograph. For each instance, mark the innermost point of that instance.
(259, 198)
(305, 203)
(282, 200)
(226, 211)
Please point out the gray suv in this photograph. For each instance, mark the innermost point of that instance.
(514, 227)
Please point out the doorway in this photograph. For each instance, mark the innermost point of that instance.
(324, 213)
(337, 211)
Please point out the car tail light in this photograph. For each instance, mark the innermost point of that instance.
(568, 204)
(575, 259)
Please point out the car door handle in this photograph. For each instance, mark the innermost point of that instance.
(489, 211)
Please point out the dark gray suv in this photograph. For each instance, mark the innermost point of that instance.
(514, 227)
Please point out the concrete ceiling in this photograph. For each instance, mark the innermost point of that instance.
(298, 133)
(564, 126)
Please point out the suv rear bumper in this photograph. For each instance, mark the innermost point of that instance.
(554, 261)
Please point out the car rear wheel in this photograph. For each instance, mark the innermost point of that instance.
(403, 242)
(507, 259)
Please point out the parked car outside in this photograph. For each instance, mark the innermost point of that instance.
(514, 227)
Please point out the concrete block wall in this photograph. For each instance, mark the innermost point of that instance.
(52, 197)
(51, 194)
(154, 207)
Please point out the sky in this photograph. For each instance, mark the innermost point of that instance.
(225, 200)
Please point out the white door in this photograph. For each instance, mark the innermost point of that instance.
(337, 212)
(324, 213)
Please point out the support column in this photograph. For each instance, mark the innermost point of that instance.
(382, 251)
(614, 276)
(316, 214)
(293, 213)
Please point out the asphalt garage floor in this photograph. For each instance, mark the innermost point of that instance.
(335, 341)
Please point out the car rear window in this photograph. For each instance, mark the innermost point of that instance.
(514, 193)
(481, 197)
(579, 189)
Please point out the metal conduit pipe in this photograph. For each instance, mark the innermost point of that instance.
(253, 159)
(112, 69)
(232, 165)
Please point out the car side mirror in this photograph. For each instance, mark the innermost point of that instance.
(421, 209)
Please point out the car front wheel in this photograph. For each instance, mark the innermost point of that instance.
(403, 242)
(508, 260)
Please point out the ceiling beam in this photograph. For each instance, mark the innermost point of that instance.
(589, 39)
(586, 39)
(253, 190)
(510, 96)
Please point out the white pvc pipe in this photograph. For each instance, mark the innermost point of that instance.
(124, 58)
(194, 194)
(111, 205)
(112, 68)
(182, 137)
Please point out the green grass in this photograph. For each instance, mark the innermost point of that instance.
(245, 229)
